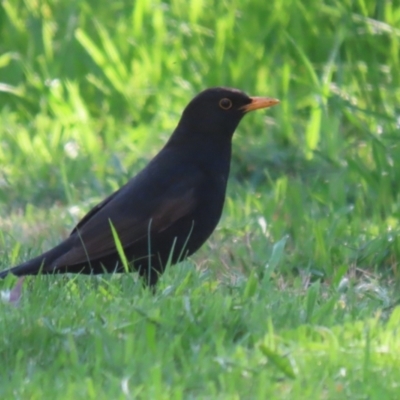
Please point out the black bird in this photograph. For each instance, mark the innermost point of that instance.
(169, 209)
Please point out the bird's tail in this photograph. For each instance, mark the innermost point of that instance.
(40, 264)
(31, 267)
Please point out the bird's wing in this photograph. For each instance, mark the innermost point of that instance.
(141, 206)
(93, 211)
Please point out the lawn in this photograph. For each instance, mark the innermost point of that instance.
(295, 295)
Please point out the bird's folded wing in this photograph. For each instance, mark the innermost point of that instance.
(132, 218)
(94, 210)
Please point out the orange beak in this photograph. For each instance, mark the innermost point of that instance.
(259, 102)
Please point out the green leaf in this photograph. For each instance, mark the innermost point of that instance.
(283, 363)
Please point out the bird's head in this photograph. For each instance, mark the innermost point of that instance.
(218, 111)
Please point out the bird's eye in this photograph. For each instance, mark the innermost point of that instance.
(225, 104)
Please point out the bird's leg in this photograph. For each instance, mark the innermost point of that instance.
(150, 277)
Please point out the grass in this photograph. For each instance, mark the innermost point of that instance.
(295, 294)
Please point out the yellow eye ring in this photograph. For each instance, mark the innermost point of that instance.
(225, 104)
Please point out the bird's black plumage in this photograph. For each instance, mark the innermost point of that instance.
(170, 208)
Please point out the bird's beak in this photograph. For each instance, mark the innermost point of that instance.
(259, 102)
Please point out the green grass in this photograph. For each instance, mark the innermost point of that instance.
(294, 295)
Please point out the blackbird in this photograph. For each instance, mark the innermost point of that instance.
(169, 209)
